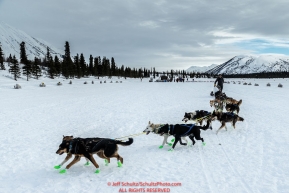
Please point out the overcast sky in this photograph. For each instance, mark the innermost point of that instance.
(174, 34)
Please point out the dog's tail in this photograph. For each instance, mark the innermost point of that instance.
(240, 102)
(240, 118)
(207, 126)
(129, 142)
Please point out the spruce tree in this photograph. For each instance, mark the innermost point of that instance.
(57, 65)
(48, 55)
(36, 70)
(67, 66)
(99, 67)
(103, 66)
(90, 67)
(113, 67)
(51, 68)
(2, 66)
(77, 66)
(50, 64)
(14, 67)
(95, 66)
(9, 60)
(121, 70)
(23, 56)
(27, 68)
(82, 65)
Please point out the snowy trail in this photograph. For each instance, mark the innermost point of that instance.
(251, 158)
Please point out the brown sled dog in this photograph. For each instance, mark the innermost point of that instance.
(230, 100)
(225, 118)
(85, 147)
(234, 107)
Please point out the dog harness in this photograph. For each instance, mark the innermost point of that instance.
(70, 146)
(190, 128)
(170, 129)
(231, 114)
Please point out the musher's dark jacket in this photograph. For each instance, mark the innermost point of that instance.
(220, 81)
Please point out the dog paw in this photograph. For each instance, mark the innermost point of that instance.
(171, 149)
(106, 162)
(204, 143)
(170, 144)
(62, 171)
(172, 140)
(57, 167)
(86, 164)
(97, 171)
(160, 147)
(119, 164)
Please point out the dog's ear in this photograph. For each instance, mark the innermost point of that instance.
(71, 136)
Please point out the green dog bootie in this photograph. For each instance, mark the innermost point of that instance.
(62, 171)
(57, 167)
(170, 144)
(204, 143)
(87, 164)
(97, 171)
(160, 147)
(119, 164)
(171, 149)
(106, 162)
(173, 140)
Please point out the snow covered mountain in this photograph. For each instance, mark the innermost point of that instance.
(201, 68)
(10, 39)
(252, 64)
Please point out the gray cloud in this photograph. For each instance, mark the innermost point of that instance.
(163, 34)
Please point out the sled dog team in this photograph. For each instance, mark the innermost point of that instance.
(106, 148)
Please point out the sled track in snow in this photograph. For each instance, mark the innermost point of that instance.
(208, 178)
(244, 184)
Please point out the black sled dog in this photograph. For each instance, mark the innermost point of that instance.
(85, 147)
(178, 131)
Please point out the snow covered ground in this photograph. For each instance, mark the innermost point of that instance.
(252, 158)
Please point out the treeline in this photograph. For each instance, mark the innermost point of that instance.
(68, 67)
(77, 67)
(184, 74)
(280, 74)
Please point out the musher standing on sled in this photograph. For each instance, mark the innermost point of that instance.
(220, 81)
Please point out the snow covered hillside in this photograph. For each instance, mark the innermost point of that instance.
(252, 64)
(201, 68)
(10, 39)
(253, 157)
